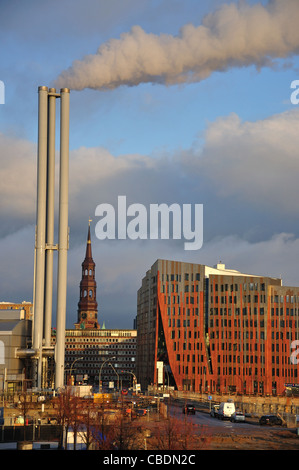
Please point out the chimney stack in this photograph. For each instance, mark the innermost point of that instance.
(44, 239)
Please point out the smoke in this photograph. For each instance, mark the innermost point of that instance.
(233, 36)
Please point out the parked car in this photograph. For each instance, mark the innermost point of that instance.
(237, 417)
(214, 411)
(272, 420)
(226, 409)
(189, 409)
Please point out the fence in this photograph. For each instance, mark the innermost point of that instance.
(44, 432)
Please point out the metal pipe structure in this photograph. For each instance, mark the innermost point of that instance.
(44, 243)
(40, 225)
(50, 216)
(63, 237)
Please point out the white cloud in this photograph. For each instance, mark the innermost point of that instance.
(18, 176)
(256, 162)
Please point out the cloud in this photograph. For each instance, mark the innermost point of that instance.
(232, 36)
(16, 267)
(256, 162)
(249, 167)
(273, 257)
(18, 182)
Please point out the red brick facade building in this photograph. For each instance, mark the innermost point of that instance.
(216, 330)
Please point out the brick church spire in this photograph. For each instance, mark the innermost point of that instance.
(88, 306)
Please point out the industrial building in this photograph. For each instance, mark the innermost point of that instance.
(213, 329)
(15, 337)
(27, 306)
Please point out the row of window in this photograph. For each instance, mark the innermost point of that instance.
(248, 310)
(179, 277)
(98, 353)
(90, 293)
(284, 298)
(174, 288)
(119, 346)
(85, 272)
(100, 340)
(102, 333)
(235, 287)
(257, 298)
(184, 323)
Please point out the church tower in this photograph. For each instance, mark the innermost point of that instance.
(88, 306)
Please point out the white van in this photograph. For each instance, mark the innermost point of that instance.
(226, 409)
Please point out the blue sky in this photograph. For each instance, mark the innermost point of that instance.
(229, 141)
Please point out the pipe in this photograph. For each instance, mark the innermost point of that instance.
(62, 237)
(50, 215)
(40, 222)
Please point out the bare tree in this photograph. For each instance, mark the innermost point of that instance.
(88, 422)
(25, 404)
(63, 413)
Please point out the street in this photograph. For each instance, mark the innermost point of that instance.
(248, 435)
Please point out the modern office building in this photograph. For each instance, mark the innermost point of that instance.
(105, 355)
(216, 330)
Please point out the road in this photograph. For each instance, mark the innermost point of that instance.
(247, 435)
(203, 418)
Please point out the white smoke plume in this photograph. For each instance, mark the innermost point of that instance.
(232, 36)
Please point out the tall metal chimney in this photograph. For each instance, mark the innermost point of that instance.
(40, 227)
(50, 216)
(44, 240)
(63, 236)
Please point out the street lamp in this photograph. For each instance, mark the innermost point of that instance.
(79, 359)
(100, 374)
(165, 368)
(134, 376)
(116, 374)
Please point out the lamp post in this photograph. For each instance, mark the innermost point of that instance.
(79, 359)
(167, 376)
(100, 374)
(116, 374)
(134, 376)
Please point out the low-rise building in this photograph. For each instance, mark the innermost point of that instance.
(15, 337)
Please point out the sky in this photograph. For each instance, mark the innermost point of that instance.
(171, 101)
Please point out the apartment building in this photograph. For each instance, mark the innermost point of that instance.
(213, 329)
